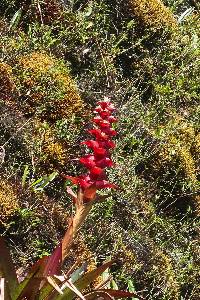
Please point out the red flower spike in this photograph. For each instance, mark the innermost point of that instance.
(101, 122)
(98, 109)
(97, 119)
(84, 183)
(83, 180)
(106, 105)
(104, 114)
(74, 180)
(107, 144)
(99, 159)
(111, 119)
(104, 124)
(107, 119)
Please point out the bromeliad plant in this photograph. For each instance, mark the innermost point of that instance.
(95, 163)
(47, 279)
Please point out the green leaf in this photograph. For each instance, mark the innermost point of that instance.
(25, 174)
(130, 24)
(84, 282)
(15, 19)
(88, 11)
(114, 285)
(30, 286)
(131, 288)
(78, 273)
(47, 289)
(7, 269)
(42, 182)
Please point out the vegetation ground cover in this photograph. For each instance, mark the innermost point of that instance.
(56, 61)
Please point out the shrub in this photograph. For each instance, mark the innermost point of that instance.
(44, 12)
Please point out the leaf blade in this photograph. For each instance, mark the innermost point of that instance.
(7, 269)
(15, 19)
(85, 281)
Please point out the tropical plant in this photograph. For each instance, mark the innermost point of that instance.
(47, 278)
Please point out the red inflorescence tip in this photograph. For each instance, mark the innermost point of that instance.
(99, 159)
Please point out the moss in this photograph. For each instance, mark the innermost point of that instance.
(152, 13)
(179, 149)
(52, 151)
(80, 253)
(52, 93)
(162, 267)
(8, 201)
(7, 84)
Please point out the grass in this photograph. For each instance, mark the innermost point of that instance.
(52, 73)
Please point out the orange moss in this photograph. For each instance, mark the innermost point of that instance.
(82, 254)
(7, 85)
(51, 151)
(8, 201)
(152, 13)
(37, 63)
(50, 87)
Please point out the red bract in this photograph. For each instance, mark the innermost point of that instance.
(107, 144)
(88, 161)
(109, 131)
(101, 122)
(97, 119)
(104, 113)
(100, 152)
(91, 144)
(103, 184)
(104, 163)
(100, 145)
(111, 119)
(97, 173)
(99, 134)
(106, 105)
